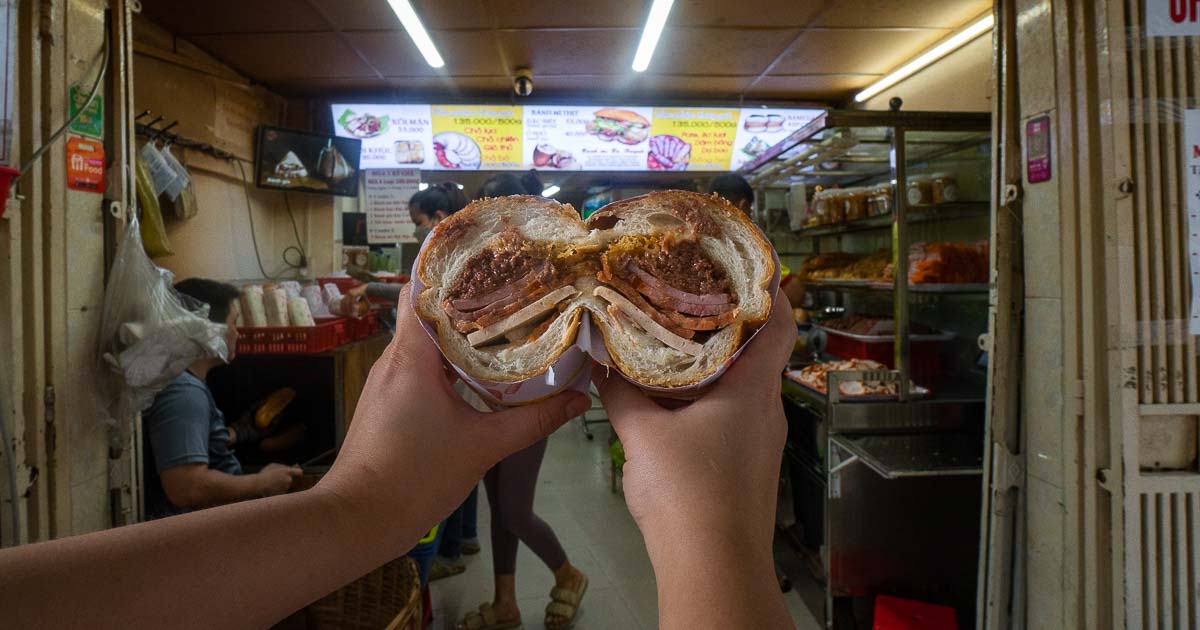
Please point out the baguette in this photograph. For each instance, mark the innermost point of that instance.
(673, 281)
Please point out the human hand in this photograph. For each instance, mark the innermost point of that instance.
(415, 448)
(707, 473)
(276, 479)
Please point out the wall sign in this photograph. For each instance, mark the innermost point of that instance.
(1191, 161)
(85, 164)
(385, 200)
(91, 122)
(602, 137)
(1037, 150)
(1166, 18)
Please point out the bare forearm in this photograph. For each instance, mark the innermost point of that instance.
(218, 488)
(261, 559)
(706, 580)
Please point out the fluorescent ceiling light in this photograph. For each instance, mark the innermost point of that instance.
(423, 186)
(654, 27)
(416, 31)
(460, 186)
(937, 52)
(550, 190)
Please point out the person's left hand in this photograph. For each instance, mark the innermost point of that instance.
(416, 448)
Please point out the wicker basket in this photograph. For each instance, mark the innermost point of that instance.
(387, 598)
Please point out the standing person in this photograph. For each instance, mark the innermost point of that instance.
(737, 190)
(510, 487)
(189, 462)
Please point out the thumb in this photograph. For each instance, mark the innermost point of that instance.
(623, 402)
(516, 428)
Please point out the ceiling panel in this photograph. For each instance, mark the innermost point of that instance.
(569, 52)
(855, 51)
(829, 86)
(374, 15)
(716, 51)
(234, 16)
(744, 13)
(414, 89)
(465, 53)
(564, 13)
(922, 13)
(277, 56)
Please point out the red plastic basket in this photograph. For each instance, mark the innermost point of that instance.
(328, 334)
(923, 349)
(364, 327)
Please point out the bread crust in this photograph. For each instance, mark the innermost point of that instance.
(683, 214)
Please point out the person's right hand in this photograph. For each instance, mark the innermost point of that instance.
(276, 479)
(701, 480)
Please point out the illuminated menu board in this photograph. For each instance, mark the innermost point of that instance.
(606, 137)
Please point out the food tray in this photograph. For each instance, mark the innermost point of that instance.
(917, 391)
(924, 351)
(329, 333)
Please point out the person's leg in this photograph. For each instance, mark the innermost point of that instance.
(451, 546)
(504, 549)
(517, 486)
(470, 516)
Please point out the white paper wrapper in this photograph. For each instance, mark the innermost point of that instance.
(254, 312)
(276, 303)
(573, 369)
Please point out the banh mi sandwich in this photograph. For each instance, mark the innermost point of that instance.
(673, 281)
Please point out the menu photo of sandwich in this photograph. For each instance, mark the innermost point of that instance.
(622, 125)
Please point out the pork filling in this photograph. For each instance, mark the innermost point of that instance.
(673, 283)
(508, 293)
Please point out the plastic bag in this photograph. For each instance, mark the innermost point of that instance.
(149, 334)
(154, 232)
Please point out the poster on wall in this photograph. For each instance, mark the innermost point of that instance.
(692, 138)
(609, 138)
(760, 129)
(385, 201)
(1191, 174)
(477, 137)
(393, 136)
(1172, 18)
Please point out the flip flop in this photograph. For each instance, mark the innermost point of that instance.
(441, 570)
(565, 603)
(485, 619)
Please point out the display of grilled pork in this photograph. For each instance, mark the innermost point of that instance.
(672, 281)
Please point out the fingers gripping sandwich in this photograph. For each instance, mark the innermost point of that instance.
(673, 282)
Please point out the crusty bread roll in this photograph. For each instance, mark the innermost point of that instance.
(507, 281)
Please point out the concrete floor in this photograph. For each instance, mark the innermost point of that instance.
(600, 537)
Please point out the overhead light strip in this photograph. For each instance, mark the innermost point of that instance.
(412, 24)
(550, 190)
(958, 40)
(654, 27)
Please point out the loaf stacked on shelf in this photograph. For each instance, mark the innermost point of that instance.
(288, 304)
(928, 263)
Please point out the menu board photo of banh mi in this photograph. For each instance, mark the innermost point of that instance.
(602, 137)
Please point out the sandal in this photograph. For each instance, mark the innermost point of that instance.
(441, 569)
(565, 603)
(485, 619)
(470, 546)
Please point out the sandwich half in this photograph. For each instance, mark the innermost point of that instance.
(673, 281)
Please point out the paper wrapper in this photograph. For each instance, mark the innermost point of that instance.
(573, 368)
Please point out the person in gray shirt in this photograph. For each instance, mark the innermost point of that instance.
(189, 461)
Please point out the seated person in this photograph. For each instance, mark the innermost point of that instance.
(188, 460)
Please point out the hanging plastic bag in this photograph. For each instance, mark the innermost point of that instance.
(149, 334)
(154, 232)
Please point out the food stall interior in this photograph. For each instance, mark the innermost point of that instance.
(883, 216)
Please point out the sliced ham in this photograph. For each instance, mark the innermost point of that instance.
(642, 319)
(664, 300)
(702, 323)
(682, 296)
(521, 317)
(636, 298)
